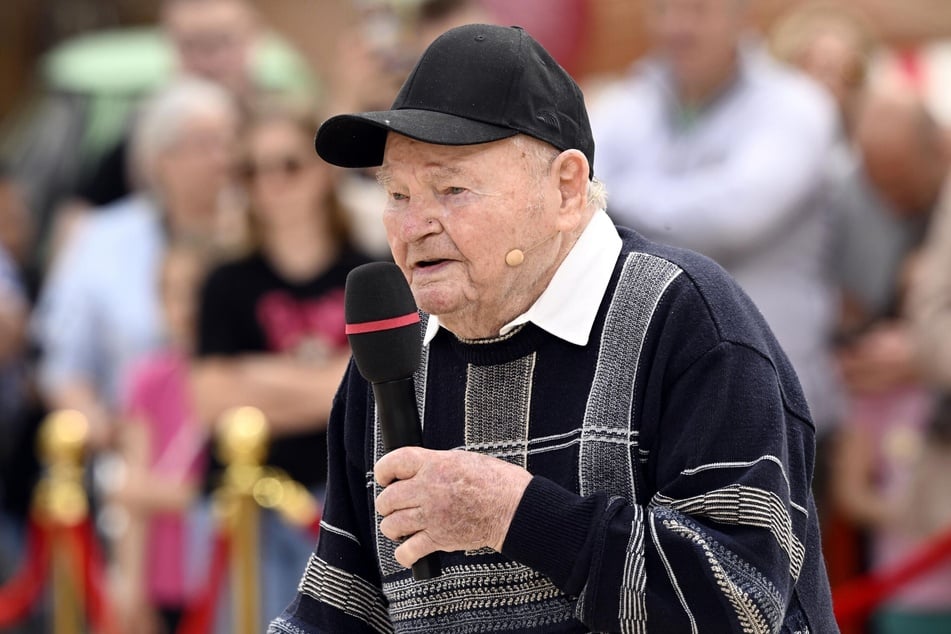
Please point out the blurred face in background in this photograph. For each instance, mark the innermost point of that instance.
(214, 39)
(833, 44)
(284, 179)
(194, 169)
(834, 59)
(902, 151)
(698, 38)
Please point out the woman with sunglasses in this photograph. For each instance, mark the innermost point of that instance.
(271, 324)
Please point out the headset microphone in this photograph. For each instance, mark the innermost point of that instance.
(515, 257)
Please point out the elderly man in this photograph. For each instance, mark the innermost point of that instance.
(613, 439)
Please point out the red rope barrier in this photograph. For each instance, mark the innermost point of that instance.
(99, 611)
(199, 617)
(86, 567)
(21, 591)
(858, 598)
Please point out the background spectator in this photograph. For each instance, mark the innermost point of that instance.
(15, 305)
(712, 146)
(832, 43)
(70, 149)
(163, 446)
(16, 229)
(892, 472)
(930, 298)
(98, 311)
(889, 406)
(18, 408)
(905, 163)
(271, 329)
(213, 39)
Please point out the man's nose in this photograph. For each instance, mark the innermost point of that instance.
(420, 218)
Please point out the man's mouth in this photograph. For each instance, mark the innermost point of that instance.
(425, 264)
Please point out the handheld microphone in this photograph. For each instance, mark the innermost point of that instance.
(383, 329)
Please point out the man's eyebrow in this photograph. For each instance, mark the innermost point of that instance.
(446, 171)
(435, 172)
(383, 176)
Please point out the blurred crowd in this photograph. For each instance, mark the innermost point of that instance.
(171, 247)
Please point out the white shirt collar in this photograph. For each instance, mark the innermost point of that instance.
(568, 306)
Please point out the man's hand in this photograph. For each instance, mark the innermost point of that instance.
(446, 500)
(879, 360)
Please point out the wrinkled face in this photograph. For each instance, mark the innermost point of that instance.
(697, 37)
(453, 213)
(283, 176)
(213, 39)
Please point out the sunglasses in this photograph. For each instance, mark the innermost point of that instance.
(287, 166)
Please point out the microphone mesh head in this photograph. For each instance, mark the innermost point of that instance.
(378, 292)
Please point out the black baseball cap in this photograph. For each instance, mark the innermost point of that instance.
(474, 84)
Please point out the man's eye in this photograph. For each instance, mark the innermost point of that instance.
(399, 196)
(454, 191)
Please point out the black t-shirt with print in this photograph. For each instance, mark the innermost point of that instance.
(247, 307)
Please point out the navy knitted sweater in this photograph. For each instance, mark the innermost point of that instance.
(672, 457)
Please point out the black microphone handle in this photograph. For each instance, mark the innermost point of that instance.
(400, 427)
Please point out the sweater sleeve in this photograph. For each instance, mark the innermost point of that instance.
(340, 590)
(717, 533)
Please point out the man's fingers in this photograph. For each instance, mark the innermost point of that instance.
(399, 464)
(415, 548)
(399, 495)
(402, 523)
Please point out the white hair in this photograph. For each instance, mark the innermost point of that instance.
(597, 194)
(163, 117)
(543, 154)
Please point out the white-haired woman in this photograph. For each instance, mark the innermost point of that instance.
(100, 313)
(98, 309)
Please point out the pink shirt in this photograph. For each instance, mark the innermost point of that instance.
(158, 397)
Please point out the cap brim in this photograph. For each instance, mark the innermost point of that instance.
(357, 140)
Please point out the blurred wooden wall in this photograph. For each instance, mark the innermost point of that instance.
(614, 34)
(29, 28)
(312, 25)
(16, 51)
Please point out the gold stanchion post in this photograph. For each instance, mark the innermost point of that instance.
(291, 499)
(242, 446)
(60, 502)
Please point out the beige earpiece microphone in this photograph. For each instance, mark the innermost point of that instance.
(515, 257)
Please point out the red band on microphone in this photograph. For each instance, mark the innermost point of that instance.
(382, 324)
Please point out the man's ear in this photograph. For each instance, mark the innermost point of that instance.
(570, 169)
